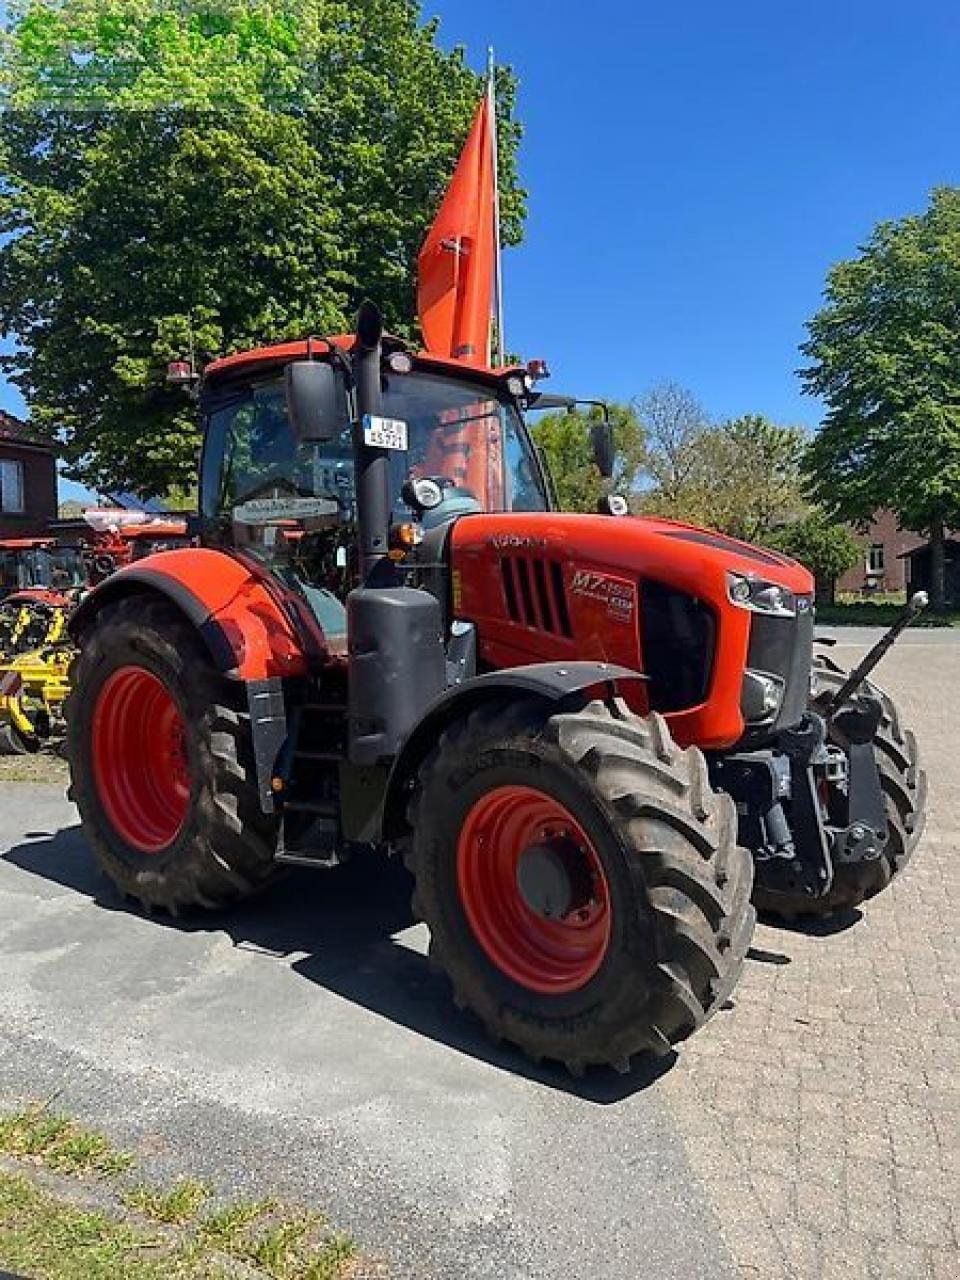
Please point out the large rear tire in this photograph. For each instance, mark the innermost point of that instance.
(904, 786)
(581, 880)
(161, 763)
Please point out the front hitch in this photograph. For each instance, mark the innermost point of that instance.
(915, 606)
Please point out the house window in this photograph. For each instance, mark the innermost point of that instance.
(875, 560)
(11, 488)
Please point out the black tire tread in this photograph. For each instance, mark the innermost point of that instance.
(13, 743)
(683, 859)
(230, 853)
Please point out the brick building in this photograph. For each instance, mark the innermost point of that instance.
(28, 481)
(883, 566)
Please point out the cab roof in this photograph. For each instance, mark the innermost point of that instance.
(262, 358)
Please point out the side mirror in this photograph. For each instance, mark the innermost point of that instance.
(604, 448)
(316, 401)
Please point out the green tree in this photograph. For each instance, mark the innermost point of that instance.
(826, 548)
(884, 354)
(751, 473)
(564, 439)
(674, 422)
(743, 477)
(217, 176)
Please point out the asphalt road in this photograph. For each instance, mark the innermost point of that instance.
(301, 1046)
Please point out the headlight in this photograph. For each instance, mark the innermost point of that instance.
(760, 596)
(760, 696)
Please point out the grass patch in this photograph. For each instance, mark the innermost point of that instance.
(59, 1143)
(878, 613)
(53, 1236)
(43, 1236)
(280, 1244)
(181, 1203)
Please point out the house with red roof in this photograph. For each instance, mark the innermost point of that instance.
(28, 480)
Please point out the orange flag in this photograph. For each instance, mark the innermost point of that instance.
(457, 260)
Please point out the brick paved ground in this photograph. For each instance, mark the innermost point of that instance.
(823, 1112)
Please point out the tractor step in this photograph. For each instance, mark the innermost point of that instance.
(321, 859)
(311, 806)
(319, 845)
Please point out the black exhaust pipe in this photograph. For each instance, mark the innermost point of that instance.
(373, 465)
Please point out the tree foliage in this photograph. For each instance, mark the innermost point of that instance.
(753, 476)
(564, 439)
(743, 477)
(674, 422)
(219, 175)
(828, 549)
(884, 354)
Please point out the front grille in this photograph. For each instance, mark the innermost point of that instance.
(679, 634)
(783, 647)
(535, 593)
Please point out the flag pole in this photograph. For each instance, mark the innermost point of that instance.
(498, 352)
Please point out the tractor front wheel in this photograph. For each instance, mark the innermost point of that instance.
(582, 882)
(161, 763)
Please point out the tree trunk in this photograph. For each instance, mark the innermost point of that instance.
(937, 566)
(826, 590)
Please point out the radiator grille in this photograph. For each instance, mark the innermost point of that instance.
(535, 594)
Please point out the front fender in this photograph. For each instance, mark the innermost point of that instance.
(561, 685)
(245, 628)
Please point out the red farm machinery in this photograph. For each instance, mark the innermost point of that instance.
(598, 741)
(41, 582)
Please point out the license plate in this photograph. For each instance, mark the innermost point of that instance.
(384, 433)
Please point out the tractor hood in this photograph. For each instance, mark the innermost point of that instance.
(666, 550)
(640, 592)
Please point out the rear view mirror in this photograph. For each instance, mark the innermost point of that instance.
(316, 401)
(604, 448)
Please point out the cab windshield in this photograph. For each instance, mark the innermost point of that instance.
(465, 435)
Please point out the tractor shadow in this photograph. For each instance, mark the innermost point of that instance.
(814, 926)
(349, 928)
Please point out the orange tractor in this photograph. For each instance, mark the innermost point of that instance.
(592, 738)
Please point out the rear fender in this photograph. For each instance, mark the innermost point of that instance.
(562, 686)
(246, 628)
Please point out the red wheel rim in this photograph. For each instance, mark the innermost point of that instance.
(139, 759)
(548, 955)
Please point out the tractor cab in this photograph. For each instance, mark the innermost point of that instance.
(454, 444)
(40, 567)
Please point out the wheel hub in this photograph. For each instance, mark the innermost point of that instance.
(533, 889)
(544, 881)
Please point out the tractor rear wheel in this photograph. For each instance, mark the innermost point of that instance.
(904, 786)
(161, 763)
(581, 880)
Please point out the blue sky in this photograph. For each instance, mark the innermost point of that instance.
(695, 168)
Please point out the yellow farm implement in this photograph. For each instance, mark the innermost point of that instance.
(35, 656)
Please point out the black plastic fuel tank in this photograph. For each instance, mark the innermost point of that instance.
(397, 667)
